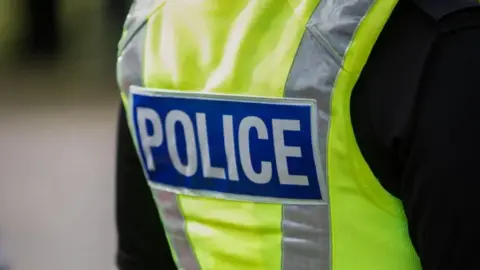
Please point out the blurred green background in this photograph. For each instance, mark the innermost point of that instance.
(58, 111)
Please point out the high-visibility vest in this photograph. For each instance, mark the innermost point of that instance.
(302, 49)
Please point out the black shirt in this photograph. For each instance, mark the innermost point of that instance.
(415, 113)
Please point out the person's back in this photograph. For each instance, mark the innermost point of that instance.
(241, 114)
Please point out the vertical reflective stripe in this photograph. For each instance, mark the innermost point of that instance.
(174, 223)
(130, 62)
(131, 46)
(306, 229)
(306, 237)
(130, 67)
(136, 18)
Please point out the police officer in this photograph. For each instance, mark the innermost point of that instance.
(299, 135)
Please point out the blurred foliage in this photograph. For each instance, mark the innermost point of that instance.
(10, 25)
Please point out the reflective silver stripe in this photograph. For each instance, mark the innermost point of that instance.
(131, 47)
(330, 30)
(130, 61)
(174, 223)
(136, 18)
(130, 72)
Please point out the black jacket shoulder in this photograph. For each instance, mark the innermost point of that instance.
(415, 115)
(439, 9)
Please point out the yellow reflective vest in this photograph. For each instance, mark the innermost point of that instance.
(304, 49)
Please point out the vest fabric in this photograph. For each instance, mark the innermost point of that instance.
(305, 49)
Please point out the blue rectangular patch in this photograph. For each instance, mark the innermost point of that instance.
(232, 147)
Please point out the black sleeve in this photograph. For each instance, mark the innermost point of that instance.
(415, 113)
(441, 177)
(142, 244)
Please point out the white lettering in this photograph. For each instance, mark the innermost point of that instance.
(155, 139)
(246, 124)
(208, 170)
(182, 118)
(229, 143)
(175, 119)
(282, 152)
